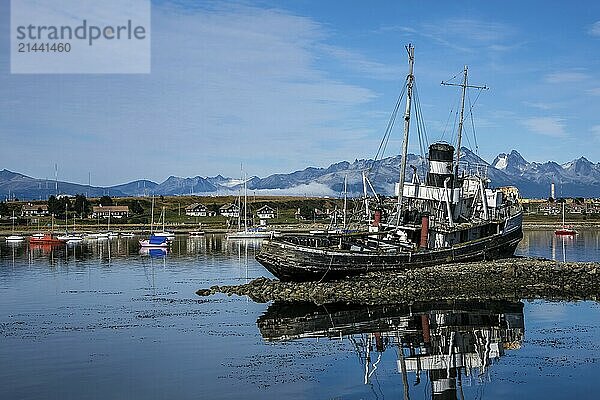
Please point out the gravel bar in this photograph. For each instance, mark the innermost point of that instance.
(512, 278)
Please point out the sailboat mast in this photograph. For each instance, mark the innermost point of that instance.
(461, 120)
(409, 85)
(345, 198)
(152, 218)
(245, 204)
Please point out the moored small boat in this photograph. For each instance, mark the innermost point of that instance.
(47, 238)
(565, 230)
(67, 237)
(255, 233)
(155, 241)
(165, 234)
(15, 238)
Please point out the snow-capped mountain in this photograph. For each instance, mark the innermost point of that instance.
(512, 163)
(578, 178)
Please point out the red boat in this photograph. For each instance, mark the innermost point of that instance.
(565, 231)
(47, 238)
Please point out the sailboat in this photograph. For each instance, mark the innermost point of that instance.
(248, 233)
(110, 233)
(98, 235)
(154, 240)
(565, 230)
(47, 238)
(164, 233)
(13, 237)
(453, 216)
(198, 232)
(70, 238)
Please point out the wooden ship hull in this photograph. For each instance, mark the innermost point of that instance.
(317, 258)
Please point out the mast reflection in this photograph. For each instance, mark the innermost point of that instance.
(446, 342)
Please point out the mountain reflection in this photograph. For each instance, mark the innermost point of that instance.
(447, 344)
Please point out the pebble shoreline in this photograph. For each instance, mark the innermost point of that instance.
(512, 278)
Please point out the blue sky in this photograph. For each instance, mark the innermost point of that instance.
(281, 85)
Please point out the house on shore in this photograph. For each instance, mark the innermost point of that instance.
(198, 210)
(34, 210)
(110, 211)
(265, 212)
(230, 210)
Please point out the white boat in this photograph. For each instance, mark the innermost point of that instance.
(197, 233)
(164, 233)
(168, 235)
(248, 233)
(128, 234)
(251, 234)
(70, 237)
(67, 237)
(13, 237)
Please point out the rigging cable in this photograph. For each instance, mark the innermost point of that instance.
(471, 106)
(422, 131)
(390, 125)
(388, 131)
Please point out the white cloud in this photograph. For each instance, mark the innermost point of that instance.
(540, 105)
(366, 67)
(311, 189)
(472, 34)
(547, 126)
(594, 91)
(595, 29)
(566, 77)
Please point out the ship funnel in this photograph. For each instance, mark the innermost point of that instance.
(441, 156)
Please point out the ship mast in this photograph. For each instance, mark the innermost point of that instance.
(409, 84)
(464, 85)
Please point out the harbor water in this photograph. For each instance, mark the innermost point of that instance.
(101, 319)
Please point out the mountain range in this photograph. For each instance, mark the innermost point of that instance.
(577, 178)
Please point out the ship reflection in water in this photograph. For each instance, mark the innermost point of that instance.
(445, 345)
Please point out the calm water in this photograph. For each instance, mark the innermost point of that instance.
(100, 320)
